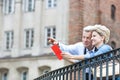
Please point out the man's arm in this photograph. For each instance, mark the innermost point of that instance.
(74, 49)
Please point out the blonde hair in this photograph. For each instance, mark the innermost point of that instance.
(103, 31)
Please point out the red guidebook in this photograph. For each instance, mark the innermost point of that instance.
(57, 51)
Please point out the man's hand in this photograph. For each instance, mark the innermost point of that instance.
(52, 41)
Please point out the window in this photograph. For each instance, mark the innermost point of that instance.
(28, 5)
(51, 3)
(29, 36)
(113, 9)
(23, 71)
(24, 75)
(49, 32)
(9, 36)
(44, 69)
(113, 44)
(4, 76)
(8, 6)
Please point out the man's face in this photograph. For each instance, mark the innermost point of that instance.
(86, 39)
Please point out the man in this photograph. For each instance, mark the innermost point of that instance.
(81, 48)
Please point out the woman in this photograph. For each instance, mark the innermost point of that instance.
(100, 37)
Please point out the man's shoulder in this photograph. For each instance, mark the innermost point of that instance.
(79, 43)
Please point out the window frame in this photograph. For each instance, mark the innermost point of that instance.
(26, 5)
(113, 11)
(9, 40)
(3, 76)
(52, 34)
(29, 36)
(53, 3)
(8, 6)
(22, 75)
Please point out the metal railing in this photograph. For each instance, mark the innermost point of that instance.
(103, 67)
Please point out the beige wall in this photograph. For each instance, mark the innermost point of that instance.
(33, 64)
(39, 19)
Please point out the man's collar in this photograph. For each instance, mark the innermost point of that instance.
(94, 49)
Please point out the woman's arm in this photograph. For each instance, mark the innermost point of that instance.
(73, 57)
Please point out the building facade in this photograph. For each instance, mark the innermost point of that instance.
(25, 26)
(90, 12)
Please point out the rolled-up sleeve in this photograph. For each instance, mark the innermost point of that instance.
(75, 49)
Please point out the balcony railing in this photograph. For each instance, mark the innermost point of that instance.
(103, 67)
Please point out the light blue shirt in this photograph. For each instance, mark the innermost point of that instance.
(102, 49)
(78, 49)
(75, 49)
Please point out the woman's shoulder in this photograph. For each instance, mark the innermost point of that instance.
(103, 49)
(106, 46)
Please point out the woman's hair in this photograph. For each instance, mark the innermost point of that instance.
(102, 31)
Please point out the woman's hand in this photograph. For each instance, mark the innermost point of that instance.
(66, 55)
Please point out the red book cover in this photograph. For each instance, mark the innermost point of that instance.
(57, 51)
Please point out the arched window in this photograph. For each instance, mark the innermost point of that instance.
(113, 44)
(113, 10)
(44, 69)
(4, 74)
(23, 73)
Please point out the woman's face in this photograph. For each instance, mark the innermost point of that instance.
(97, 39)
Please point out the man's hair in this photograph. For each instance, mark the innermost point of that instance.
(88, 28)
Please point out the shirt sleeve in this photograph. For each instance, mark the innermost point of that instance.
(86, 56)
(74, 49)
